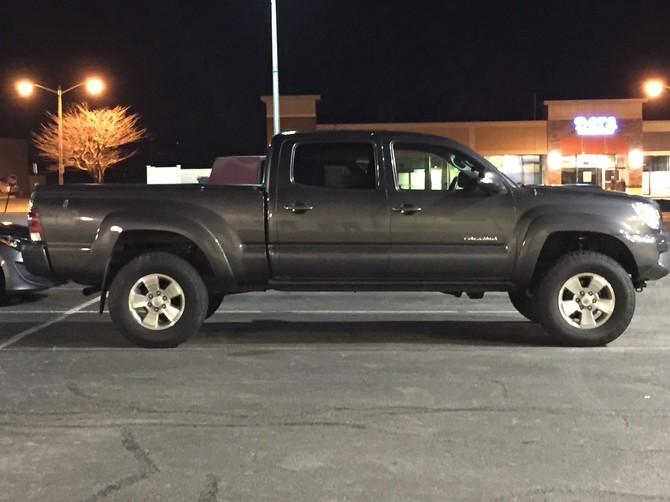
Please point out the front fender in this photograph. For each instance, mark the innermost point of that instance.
(538, 228)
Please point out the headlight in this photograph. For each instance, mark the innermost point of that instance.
(649, 214)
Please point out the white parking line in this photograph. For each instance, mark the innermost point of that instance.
(47, 312)
(317, 312)
(35, 329)
(371, 311)
(335, 312)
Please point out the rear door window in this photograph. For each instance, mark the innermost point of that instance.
(335, 165)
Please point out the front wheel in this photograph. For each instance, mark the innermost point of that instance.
(158, 300)
(586, 299)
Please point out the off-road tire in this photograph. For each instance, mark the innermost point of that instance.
(523, 303)
(3, 293)
(586, 299)
(213, 304)
(158, 300)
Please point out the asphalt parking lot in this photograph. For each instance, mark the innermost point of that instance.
(332, 397)
(287, 396)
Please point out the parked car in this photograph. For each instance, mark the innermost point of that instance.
(15, 280)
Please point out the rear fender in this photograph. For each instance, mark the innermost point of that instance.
(201, 233)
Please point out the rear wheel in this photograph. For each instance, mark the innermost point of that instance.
(3, 291)
(158, 300)
(214, 303)
(585, 299)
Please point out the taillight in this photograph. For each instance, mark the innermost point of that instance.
(34, 224)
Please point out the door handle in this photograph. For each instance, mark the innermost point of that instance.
(406, 209)
(298, 208)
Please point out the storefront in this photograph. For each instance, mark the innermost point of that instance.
(596, 142)
(604, 142)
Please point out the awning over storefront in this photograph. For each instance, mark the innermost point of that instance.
(576, 145)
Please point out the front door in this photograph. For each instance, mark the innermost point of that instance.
(330, 222)
(444, 228)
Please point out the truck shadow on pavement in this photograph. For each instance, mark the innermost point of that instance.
(24, 299)
(375, 332)
(90, 335)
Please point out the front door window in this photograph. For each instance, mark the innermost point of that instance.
(444, 227)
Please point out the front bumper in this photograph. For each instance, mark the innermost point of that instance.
(660, 270)
(652, 256)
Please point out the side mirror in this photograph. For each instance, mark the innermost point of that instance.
(491, 184)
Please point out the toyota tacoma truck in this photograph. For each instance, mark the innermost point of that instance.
(352, 211)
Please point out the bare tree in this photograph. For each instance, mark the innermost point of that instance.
(93, 140)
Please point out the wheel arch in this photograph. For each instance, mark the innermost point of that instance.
(123, 236)
(550, 237)
(561, 243)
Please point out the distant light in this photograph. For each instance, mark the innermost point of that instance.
(25, 87)
(635, 159)
(654, 88)
(94, 85)
(511, 163)
(554, 159)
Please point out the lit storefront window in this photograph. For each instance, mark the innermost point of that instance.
(525, 169)
(635, 159)
(588, 169)
(656, 176)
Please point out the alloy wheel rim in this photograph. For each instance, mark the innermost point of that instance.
(156, 301)
(586, 301)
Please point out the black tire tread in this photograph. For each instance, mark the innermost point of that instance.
(523, 303)
(571, 264)
(185, 274)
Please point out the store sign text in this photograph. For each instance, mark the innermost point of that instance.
(595, 126)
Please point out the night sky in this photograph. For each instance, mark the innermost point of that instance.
(195, 71)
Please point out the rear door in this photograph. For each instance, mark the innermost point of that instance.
(443, 227)
(330, 218)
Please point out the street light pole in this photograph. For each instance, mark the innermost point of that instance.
(275, 70)
(61, 164)
(25, 88)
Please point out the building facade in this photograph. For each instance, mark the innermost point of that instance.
(14, 161)
(605, 142)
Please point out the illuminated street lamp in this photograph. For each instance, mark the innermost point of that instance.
(93, 86)
(654, 88)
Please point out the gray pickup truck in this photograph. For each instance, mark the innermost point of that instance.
(352, 211)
